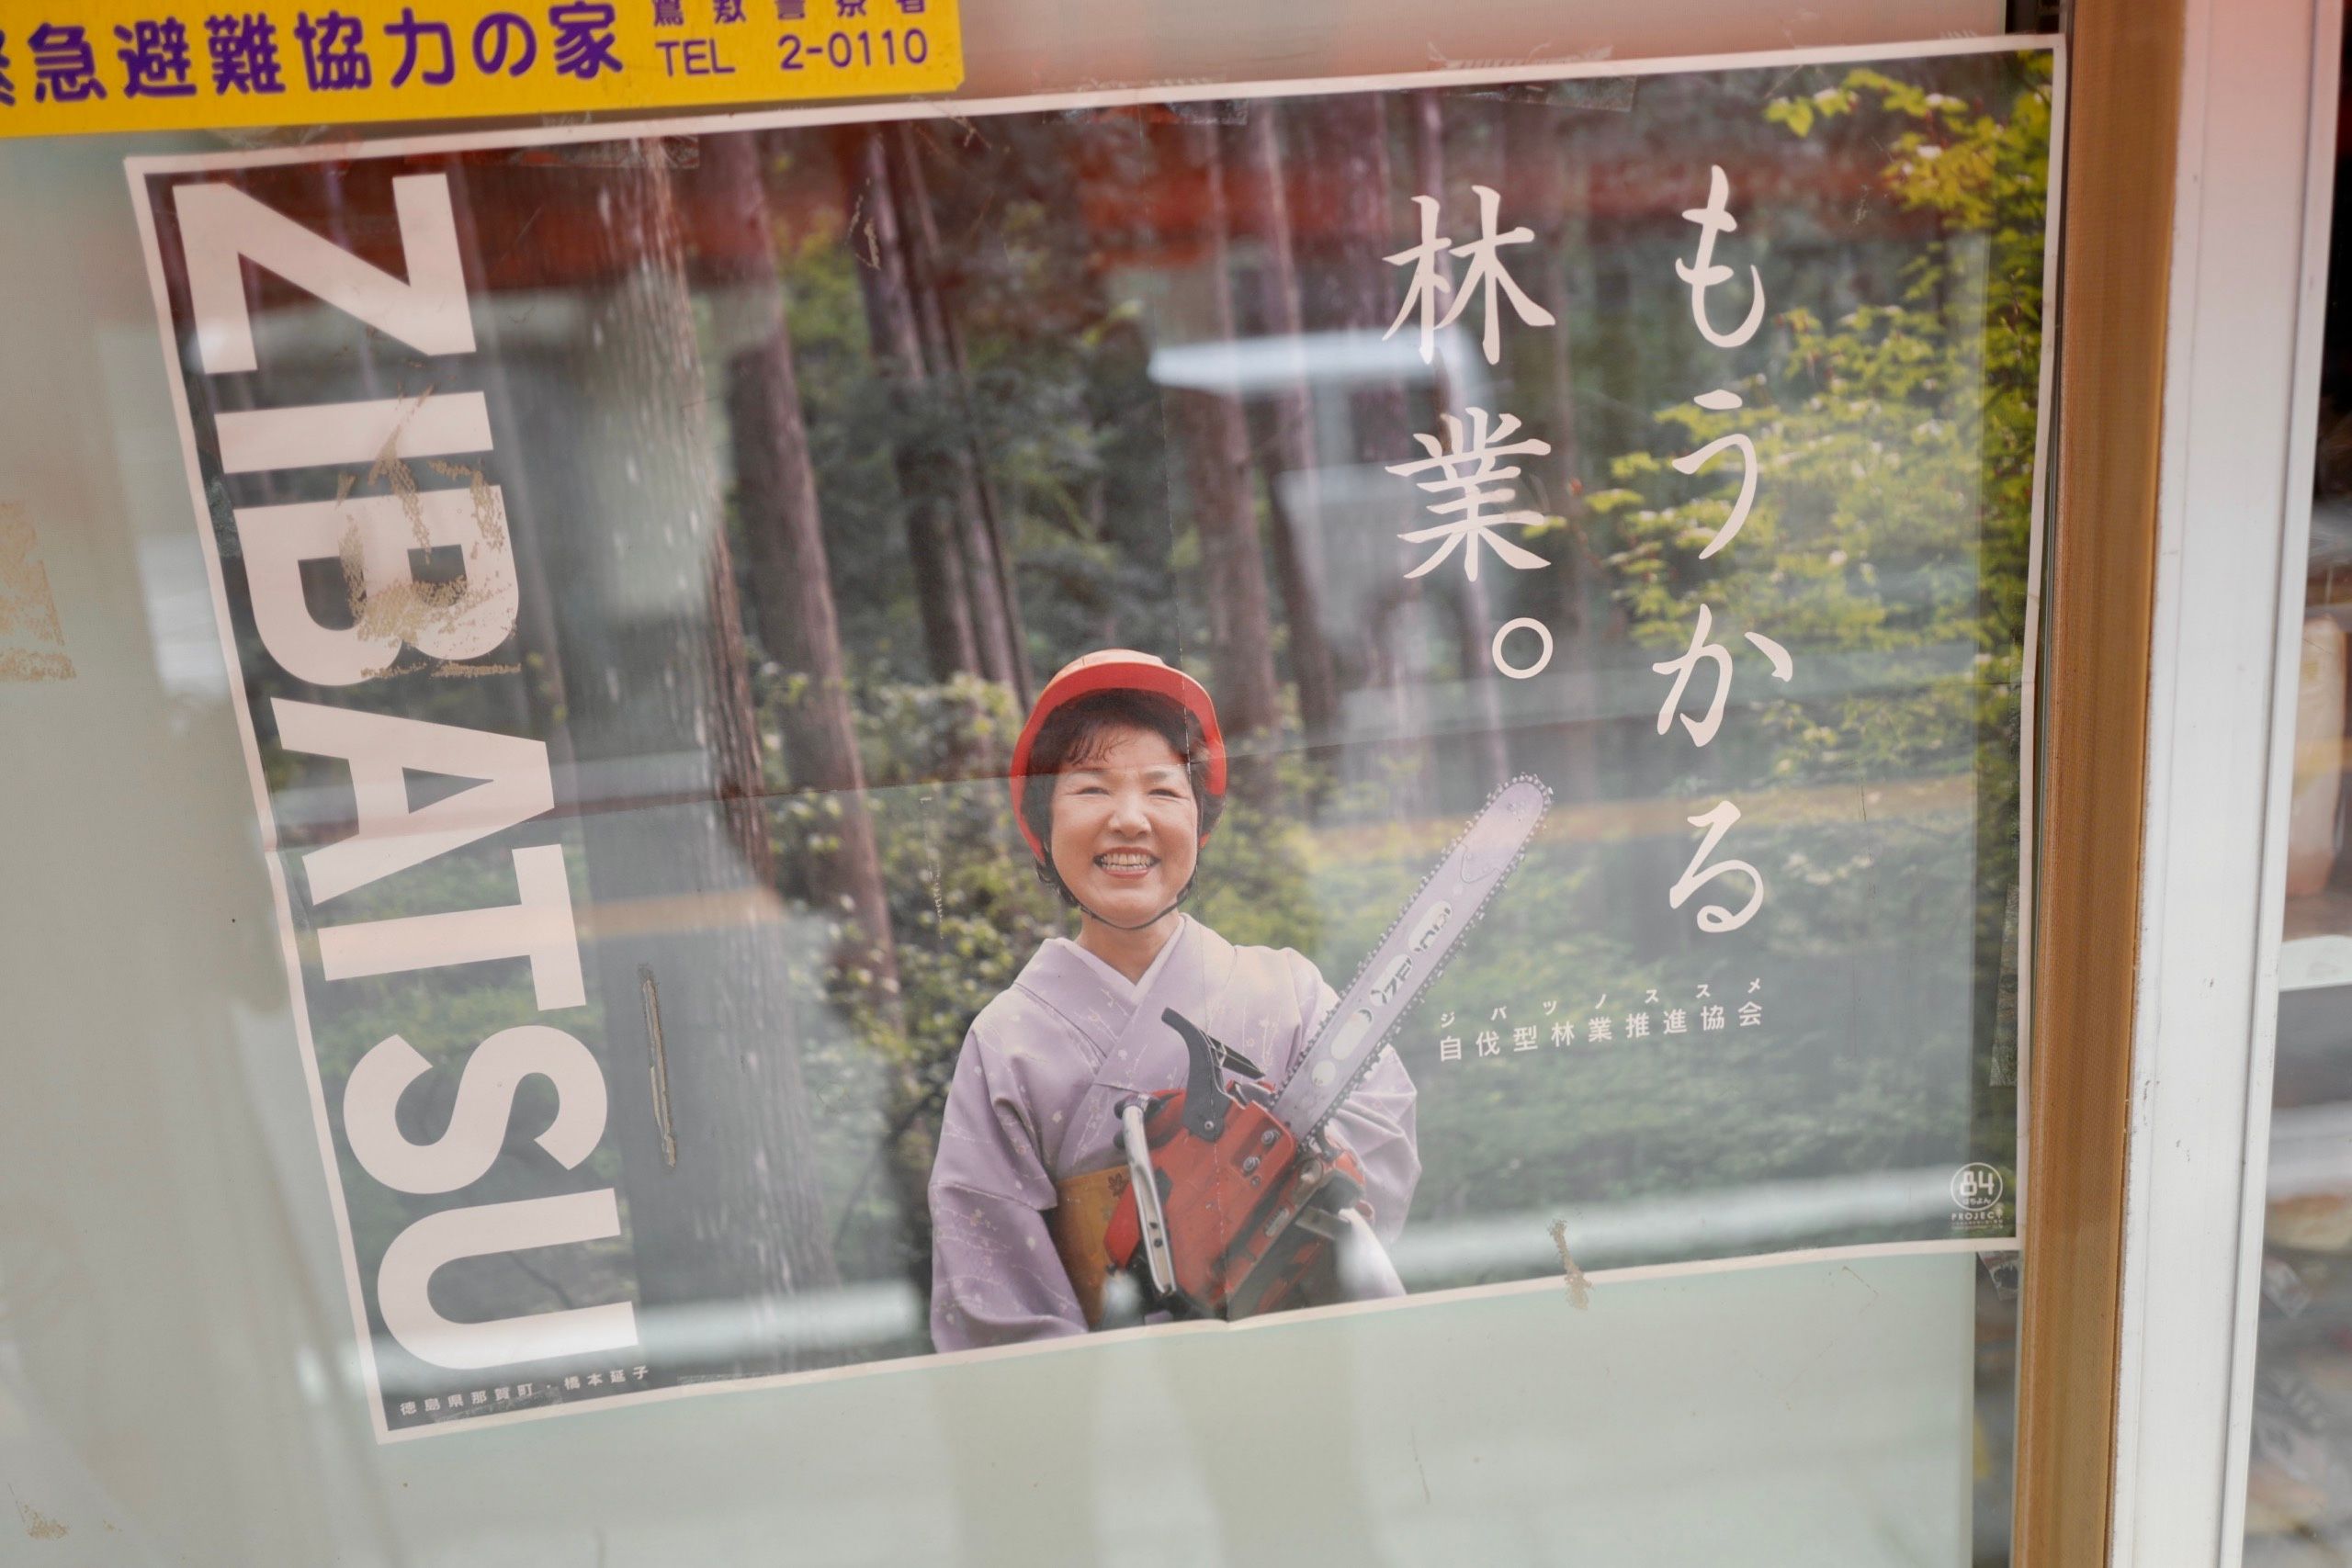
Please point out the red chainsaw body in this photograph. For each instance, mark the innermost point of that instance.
(1233, 1203)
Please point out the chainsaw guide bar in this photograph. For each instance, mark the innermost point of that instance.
(1411, 954)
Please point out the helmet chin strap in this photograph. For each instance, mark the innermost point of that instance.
(1047, 874)
(1140, 925)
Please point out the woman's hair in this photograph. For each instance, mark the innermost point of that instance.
(1076, 734)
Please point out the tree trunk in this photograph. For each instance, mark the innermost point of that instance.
(1213, 445)
(1288, 449)
(782, 529)
(941, 591)
(777, 496)
(1535, 169)
(1474, 628)
(725, 1205)
(1350, 142)
(996, 601)
(792, 580)
(1352, 148)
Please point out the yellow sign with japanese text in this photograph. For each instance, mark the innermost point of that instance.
(70, 66)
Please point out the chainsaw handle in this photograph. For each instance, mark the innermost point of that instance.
(1206, 1104)
(1143, 1185)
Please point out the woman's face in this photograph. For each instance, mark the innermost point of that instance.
(1127, 828)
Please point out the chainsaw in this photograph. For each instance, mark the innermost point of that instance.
(1235, 1193)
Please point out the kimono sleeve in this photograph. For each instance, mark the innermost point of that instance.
(1376, 1121)
(995, 1277)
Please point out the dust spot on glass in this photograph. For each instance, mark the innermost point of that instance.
(1579, 1287)
(33, 640)
(38, 1525)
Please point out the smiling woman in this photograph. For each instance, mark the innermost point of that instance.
(1117, 780)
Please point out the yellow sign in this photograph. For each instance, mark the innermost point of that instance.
(69, 67)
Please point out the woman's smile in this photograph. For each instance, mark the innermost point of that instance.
(1127, 862)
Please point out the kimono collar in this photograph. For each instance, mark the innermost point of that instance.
(1131, 990)
(1104, 1007)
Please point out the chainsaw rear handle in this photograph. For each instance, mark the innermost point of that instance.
(1143, 1199)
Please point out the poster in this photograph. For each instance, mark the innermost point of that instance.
(656, 561)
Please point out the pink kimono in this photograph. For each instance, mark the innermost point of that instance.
(1036, 1101)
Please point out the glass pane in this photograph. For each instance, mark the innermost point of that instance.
(2298, 1480)
(651, 1004)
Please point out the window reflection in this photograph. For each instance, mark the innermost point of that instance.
(2299, 1478)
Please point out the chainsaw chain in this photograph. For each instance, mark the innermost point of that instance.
(1371, 1055)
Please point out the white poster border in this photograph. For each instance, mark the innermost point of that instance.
(140, 169)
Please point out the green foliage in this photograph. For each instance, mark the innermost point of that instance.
(1595, 1122)
(1055, 393)
(1256, 886)
(964, 905)
(1895, 447)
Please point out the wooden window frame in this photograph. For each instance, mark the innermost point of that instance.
(2200, 144)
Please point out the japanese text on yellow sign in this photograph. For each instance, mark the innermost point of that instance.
(93, 65)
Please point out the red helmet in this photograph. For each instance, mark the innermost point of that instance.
(1116, 670)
